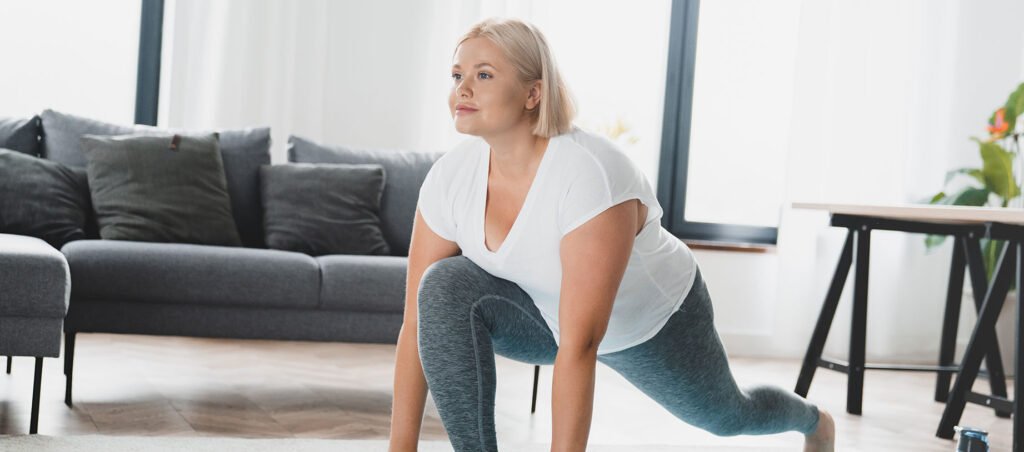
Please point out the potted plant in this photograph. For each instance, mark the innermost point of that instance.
(995, 184)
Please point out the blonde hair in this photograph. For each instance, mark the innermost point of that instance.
(525, 47)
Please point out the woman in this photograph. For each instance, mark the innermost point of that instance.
(564, 261)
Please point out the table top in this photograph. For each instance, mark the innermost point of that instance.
(923, 212)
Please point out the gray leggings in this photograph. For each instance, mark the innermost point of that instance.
(466, 315)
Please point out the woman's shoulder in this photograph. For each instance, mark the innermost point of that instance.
(584, 150)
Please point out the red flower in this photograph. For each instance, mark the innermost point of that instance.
(997, 126)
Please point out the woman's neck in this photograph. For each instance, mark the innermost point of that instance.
(516, 153)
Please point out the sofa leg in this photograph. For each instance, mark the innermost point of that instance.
(69, 364)
(9, 359)
(536, 376)
(33, 427)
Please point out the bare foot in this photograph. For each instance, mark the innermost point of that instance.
(824, 437)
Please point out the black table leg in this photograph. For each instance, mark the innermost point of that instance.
(981, 337)
(954, 293)
(979, 284)
(828, 312)
(1018, 364)
(858, 327)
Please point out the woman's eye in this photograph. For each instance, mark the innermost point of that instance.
(482, 74)
(456, 77)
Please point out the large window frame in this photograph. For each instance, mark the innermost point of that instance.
(147, 87)
(675, 141)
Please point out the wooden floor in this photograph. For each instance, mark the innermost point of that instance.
(143, 385)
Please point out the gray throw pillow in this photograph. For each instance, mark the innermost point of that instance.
(42, 199)
(405, 169)
(160, 189)
(242, 151)
(20, 134)
(323, 209)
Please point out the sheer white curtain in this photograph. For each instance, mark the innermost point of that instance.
(373, 74)
(886, 96)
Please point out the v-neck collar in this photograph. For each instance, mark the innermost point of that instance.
(523, 211)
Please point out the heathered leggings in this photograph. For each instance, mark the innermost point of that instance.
(466, 315)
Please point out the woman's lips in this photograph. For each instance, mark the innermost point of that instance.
(464, 110)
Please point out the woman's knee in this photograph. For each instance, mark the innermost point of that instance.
(445, 282)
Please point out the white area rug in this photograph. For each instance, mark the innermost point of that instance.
(194, 444)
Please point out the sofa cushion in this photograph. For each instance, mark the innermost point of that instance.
(405, 173)
(191, 274)
(324, 208)
(363, 283)
(160, 189)
(243, 151)
(43, 199)
(20, 134)
(34, 279)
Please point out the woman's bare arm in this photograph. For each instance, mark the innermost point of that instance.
(410, 387)
(594, 258)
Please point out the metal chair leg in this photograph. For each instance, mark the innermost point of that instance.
(9, 359)
(34, 422)
(536, 376)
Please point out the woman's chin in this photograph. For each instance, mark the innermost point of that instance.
(464, 128)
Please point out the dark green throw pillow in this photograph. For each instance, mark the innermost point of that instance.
(321, 209)
(160, 189)
(42, 199)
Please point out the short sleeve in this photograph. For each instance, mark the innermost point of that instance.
(596, 186)
(435, 205)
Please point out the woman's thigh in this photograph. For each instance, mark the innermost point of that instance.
(457, 290)
(684, 367)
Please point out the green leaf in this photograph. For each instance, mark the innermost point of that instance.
(933, 241)
(969, 196)
(998, 170)
(938, 197)
(1014, 107)
(990, 250)
(976, 173)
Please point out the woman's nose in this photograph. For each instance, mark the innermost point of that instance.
(462, 90)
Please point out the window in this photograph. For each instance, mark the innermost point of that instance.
(74, 56)
(614, 59)
(728, 105)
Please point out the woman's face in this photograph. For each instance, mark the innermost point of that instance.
(487, 97)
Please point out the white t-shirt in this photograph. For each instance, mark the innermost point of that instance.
(580, 175)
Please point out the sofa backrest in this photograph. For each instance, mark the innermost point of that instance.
(242, 150)
(404, 172)
(20, 134)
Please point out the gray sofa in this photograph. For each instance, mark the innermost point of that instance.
(239, 292)
(34, 290)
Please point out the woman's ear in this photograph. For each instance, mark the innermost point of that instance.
(533, 99)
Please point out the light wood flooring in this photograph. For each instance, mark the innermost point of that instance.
(169, 386)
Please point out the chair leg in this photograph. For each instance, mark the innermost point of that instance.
(69, 364)
(536, 376)
(34, 422)
(9, 359)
